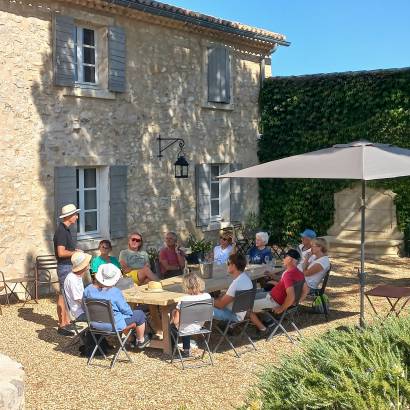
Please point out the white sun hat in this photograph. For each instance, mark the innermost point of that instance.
(108, 274)
(80, 260)
(68, 210)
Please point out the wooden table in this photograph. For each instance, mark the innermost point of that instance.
(172, 294)
(390, 293)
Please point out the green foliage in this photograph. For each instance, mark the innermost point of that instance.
(201, 246)
(153, 254)
(350, 369)
(303, 114)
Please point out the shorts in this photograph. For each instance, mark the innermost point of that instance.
(133, 274)
(138, 317)
(225, 315)
(263, 300)
(62, 271)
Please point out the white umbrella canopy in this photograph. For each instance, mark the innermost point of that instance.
(361, 160)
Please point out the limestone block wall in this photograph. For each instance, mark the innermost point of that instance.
(42, 127)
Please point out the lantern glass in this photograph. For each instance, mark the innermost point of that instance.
(181, 167)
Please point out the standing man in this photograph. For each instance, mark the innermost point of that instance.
(64, 248)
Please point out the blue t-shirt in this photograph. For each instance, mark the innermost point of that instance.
(257, 256)
(120, 307)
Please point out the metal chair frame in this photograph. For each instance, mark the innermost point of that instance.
(243, 302)
(11, 290)
(288, 314)
(190, 313)
(320, 292)
(100, 311)
(46, 264)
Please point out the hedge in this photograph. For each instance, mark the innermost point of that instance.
(307, 113)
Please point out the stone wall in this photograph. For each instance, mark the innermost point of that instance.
(42, 127)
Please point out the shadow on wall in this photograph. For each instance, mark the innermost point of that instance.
(163, 97)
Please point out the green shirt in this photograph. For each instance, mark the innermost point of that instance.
(134, 260)
(96, 262)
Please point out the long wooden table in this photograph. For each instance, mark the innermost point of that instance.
(172, 294)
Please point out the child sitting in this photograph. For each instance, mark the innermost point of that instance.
(194, 286)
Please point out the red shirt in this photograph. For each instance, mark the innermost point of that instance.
(288, 279)
(170, 255)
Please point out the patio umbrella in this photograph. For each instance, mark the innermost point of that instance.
(361, 160)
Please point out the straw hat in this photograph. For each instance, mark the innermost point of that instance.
(108, 274)
(80, 260)
(154, 287)
(68, 210)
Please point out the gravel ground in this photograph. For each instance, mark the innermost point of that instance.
(60, 379)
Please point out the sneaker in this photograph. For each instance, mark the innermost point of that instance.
(144, 343)
(185, 353)
(63, 331)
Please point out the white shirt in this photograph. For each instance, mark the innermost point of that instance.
(242, 282)
(222, 255)
(303, 252)
(192, 298)
(314, 280)
(74, 290)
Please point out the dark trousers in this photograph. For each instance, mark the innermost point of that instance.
(186, 340)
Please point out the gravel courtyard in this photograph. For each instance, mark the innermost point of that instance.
(60, 379)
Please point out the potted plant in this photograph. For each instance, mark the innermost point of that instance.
(153, 255)
(200, 249)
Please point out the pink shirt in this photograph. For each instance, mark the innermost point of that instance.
(170, 256)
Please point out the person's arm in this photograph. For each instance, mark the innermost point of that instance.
(181, 258)
(164, 262)
(223, 301)
(315, 268)
(62, 252)
(289, 301)
(122, 304)
(175, 317)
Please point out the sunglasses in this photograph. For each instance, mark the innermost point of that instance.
(224, 239)
(104, 247)
(136, 239)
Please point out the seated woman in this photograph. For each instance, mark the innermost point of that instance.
(260, 253)
(104, 288)
(316, 265)
(105, 248)
(193, 286)
(223, 250)
(171, 258)
(135, 262)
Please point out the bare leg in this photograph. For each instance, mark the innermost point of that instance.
(140, 331)
(145, 275)
(63, 319)
(155, 318)
(255, 320)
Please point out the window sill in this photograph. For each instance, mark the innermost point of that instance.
(215, 226)
(92, 244)
(79, 91)
(216, 106)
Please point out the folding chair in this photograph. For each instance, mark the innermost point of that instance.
(320, 292)
(243, 302)
(194, 313)
(99, 311)
(25, 282)
(45, 264)
(288, 314)
(78, 330)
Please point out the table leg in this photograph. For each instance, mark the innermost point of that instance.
(371, 304)
(403, 306)
(165, 329)
(393, 307)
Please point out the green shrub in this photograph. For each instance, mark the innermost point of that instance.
(351, 369)
(303, 114)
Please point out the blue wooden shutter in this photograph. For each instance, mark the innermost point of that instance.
(116, 59)
(65, 192)
(64, 51)
(237, 196)
(118, 201)
(203, 194)
(219, 87)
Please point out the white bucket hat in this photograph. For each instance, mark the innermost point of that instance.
(108, 274)
(68, 210)
(80, 260)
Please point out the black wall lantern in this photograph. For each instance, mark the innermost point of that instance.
(181, 164)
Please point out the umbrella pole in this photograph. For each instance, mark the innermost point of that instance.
(362, 275)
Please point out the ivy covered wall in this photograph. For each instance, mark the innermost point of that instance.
(307, 113)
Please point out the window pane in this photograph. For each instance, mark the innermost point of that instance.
(90, 221)
(90, 199)
(89, 74)
(214, 172)
(214, 190)
(214, 207)
(88, 55)
(88, 37)
(90, 178)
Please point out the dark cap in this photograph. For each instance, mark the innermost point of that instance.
(293, 253)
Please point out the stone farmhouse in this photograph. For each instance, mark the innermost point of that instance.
(87, 86)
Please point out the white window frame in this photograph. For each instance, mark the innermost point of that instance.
(218, 217)
(79, 56)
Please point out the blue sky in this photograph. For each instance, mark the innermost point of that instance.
(326, 35)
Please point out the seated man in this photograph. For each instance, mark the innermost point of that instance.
(241, 281)
(73, 284)
(171, 258)
(282, 295)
